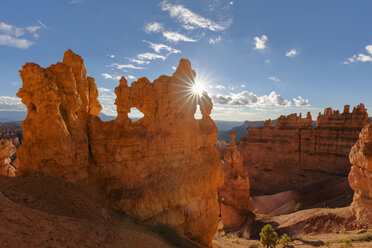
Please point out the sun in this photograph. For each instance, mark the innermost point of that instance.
(198, 88)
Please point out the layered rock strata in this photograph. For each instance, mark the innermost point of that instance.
(7, 149)
(360, 176)
(161, 169)
(234, 196)
(293, 153)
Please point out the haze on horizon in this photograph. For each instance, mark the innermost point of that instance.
(256, 59)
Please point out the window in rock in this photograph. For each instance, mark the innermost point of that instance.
(197, 114)
(135, 114)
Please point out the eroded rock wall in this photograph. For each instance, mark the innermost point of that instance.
(360, 176)
(161, 169)
(293, 153)
(234, 195)
(7, 149)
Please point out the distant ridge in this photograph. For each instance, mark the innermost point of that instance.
(12, 116)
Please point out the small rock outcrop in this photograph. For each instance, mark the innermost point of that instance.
(161, 169)
(7, 149)
(234, 196)
(293, 153)
(360, 176)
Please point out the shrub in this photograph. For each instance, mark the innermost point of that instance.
(268, 236)
(253, 246)
(346, 243)
(298, 207)
(284, 240)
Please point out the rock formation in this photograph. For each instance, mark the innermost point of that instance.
(59, 100)
(234, 196)
(161, 169)
(7, 149)
(360, 176)
(293, 153)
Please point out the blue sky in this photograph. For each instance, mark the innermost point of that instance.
(259, 59)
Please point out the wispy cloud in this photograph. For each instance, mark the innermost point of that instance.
(8, 103)
(131, 77)
(260, 42)
(154, 27)
(107, 98)
(159, 47)
(110, 76)
(138, 61)
(176, 37)
(247, 98)
(191, 20)
(10, 35)
(292, 53)
(215, 40)
(361, 57)
(125, 66)
(150, 56)
(275, 79)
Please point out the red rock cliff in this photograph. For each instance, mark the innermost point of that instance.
(360, 176)
(234, 196)
(293, 153)
(161, 169)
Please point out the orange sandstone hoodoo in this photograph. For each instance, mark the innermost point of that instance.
(7, 149)
(360, 176)
(161, 169)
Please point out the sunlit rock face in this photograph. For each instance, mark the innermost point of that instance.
(161, 169)
(360, 176)
(59, 99)
(293, 153)
(234, 195)
(7, 149)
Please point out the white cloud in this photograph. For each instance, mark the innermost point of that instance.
(138, 61)
(7, 40)
(107, 98)
(153, 27)
(131, 77)
(292, 53)
(369, 49)
(250, 99)
(220, 87)
(214, 41)
(150, 56)
(103, 90)
(175, 37)
(242, 85)
(110, 76)
(159, 47)
(275, 79)
(191, 20)
(10, 35)
(174, 68)
(111, 55)
(361, 57)
(299, 101)
(8, 103)
(260, 43)
(126, 66)
(11, 30)
(267, 61)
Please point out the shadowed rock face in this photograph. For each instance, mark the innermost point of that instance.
(293, 153)
(161, 169)
(234, 196)
(7, 149)
(360, 176)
